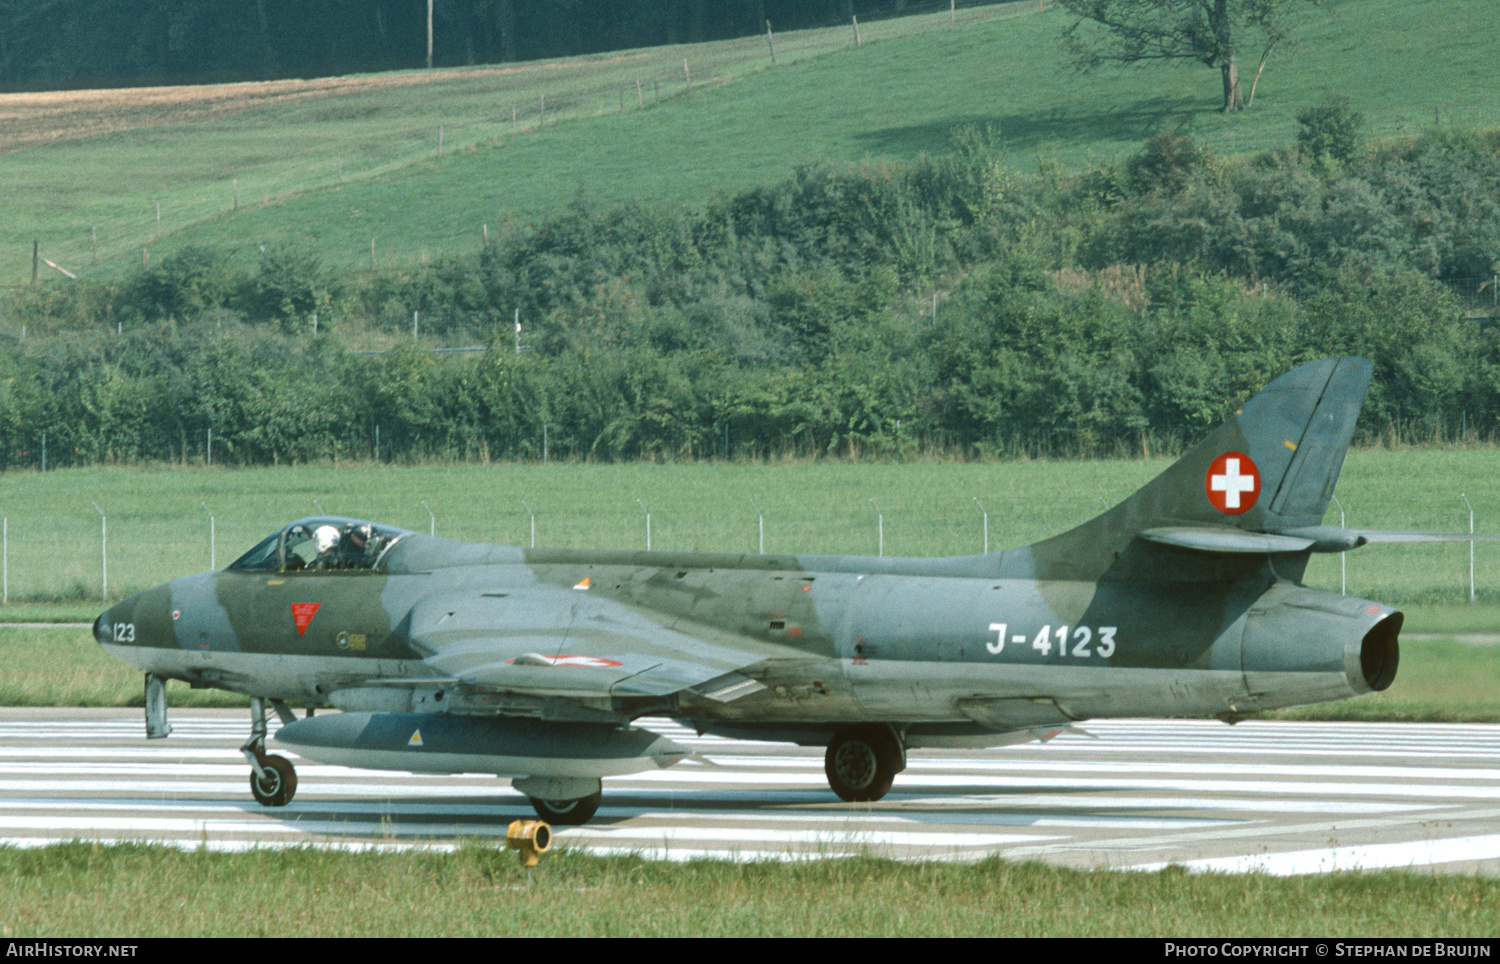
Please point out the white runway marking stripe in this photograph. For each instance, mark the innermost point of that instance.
(1415, 853)
(852, 837)
(918, 765)
(1267, 796)
(318, 809)
(308, 775)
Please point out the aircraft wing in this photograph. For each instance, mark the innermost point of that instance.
(547, 641)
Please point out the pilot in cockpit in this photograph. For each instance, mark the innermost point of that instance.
(326, 540)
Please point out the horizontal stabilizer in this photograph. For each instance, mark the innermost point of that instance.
(1225, 540)
(1305, 539)
(1392, 535)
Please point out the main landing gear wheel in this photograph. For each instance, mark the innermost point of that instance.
(567, 813)
(862, 762)
(279, 784)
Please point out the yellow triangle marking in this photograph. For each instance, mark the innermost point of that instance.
(416, 738)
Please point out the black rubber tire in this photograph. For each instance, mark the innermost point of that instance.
(568, 813)
(862, 762)
(279, 785)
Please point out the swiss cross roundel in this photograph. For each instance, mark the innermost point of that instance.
(1232, 483)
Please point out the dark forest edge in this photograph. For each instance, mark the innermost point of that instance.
(63, 44)
(1124, 309)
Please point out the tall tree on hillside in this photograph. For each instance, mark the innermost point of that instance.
(1208, 31)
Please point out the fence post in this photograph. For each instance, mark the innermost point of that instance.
(880, 528)
(761, 525)
(212, 565)
(648, 523)
(1343, 556)
(1471, 547)
(533, 522)
(986, 524)
(431, 519)
(103, 554)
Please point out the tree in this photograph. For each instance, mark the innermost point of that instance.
(1208, 31)
(1330, 130)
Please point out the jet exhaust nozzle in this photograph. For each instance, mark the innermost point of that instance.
(1308, 646)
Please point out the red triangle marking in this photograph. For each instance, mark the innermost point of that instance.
(302, 614)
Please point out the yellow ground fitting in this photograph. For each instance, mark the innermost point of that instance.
(530, 838)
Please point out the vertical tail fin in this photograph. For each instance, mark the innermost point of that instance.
(1270, 467)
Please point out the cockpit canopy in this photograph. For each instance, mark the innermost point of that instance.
(322, 545)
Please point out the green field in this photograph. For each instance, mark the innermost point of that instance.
(86, 890)
(158, 529)
(1404, 63)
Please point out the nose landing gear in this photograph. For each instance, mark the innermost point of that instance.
(273, 779)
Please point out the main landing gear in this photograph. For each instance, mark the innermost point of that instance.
(567, 813)
(862, 761)
(273, 780)
(564, 801)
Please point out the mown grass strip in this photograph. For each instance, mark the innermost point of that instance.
(158, 529)
(83, 889)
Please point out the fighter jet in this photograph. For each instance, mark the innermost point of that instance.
(1185, 600)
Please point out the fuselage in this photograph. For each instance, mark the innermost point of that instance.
(839, 639)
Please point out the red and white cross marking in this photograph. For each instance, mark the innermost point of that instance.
(1233, 483)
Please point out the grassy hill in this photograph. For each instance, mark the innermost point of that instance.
(82, 162)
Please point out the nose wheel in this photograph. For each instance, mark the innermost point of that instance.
(273, 779)
(275, 784)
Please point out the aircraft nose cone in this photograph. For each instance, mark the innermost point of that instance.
(142, 620)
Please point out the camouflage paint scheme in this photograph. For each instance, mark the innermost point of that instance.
(1182, 601)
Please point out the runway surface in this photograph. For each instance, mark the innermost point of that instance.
(1281, 798)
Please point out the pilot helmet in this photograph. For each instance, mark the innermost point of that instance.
(325, 538)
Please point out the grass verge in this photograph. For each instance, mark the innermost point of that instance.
(63, 666)
(158, 529)
(85, 890)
